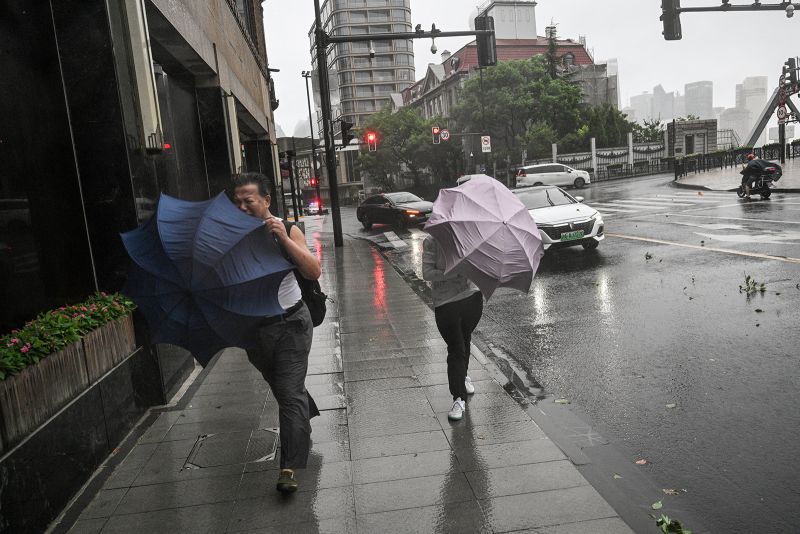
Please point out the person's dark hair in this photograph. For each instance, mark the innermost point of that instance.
(246, 178)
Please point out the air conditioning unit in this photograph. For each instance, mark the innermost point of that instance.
(142, 58)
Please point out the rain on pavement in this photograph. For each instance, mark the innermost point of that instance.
(652, 343)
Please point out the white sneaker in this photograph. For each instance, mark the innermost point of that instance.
(457, 411)
(468, 386)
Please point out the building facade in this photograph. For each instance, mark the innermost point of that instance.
(106, 104)
(363, 75)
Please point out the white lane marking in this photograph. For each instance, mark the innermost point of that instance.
(604, 209)
(635, 207)
(688, 200)
(705, 194)
(712, 249)
(729, 218)
(655, 202)
(395, 241)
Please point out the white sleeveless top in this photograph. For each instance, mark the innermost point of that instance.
(289, 292)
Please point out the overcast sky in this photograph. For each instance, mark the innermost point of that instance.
(721, 47)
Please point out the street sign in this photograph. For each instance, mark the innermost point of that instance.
(486, 143)
(444, 135)
(782, 114)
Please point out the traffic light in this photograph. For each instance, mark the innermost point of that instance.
(372, 141)
(671, 17)
(437, 135)
(487, 44)
(347, 136)
(313, 182)
(790, 73)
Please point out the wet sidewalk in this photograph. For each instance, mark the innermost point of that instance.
(729, 179)
(385, 457)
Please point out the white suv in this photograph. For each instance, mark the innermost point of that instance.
(551, 174)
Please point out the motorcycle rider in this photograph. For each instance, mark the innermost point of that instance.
(755, 167)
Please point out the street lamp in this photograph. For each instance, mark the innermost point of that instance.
(307, 74)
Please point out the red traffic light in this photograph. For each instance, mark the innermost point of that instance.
(313, 181)
(371, 136)
(435, 130)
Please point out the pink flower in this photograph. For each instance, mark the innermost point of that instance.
(14, 341)
(25, 348)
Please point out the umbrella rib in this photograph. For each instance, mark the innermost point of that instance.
(475, 248)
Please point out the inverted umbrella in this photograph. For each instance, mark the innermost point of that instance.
(486, 234)
(204, 274)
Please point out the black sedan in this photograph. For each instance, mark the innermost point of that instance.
(397, 209)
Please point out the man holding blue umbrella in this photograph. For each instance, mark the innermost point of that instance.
(284, 340)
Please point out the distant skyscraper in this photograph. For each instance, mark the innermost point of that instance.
(642, 106)
(700, 99)
(752, 95)
(663, 104)
(361, 85)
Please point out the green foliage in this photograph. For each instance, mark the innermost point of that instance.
(522, 106)
(53, 330)
(652, 131)
(671, 526)
(405, 145)
(751, 286)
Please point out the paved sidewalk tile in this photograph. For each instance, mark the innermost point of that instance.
(384, 456)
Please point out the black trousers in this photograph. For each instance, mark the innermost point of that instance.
(456, 321)
(282, 359)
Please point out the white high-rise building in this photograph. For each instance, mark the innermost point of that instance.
(752, 94)
(360, 84)
(513, 19)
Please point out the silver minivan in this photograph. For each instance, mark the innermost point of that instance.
(552, 174)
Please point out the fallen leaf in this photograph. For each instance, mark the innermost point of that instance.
(561, 401)
(641, 462)
(759, 310)
(671, 405)
(699, 193)
(616, 476)
(670, 492)
(757, 325)
(776, 294)
(657, 505)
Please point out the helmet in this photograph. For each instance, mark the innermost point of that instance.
(751, 157)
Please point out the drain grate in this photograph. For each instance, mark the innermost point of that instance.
(214, 450)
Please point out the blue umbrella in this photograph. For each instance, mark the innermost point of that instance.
(204, 274)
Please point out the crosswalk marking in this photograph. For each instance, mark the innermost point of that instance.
(395, 241)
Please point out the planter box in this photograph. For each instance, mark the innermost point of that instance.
(107, 346)
(30, 397)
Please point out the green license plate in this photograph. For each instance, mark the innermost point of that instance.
(571, 236)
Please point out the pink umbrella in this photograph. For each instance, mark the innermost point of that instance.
(486, 235)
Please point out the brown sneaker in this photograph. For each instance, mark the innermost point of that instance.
(287, 482)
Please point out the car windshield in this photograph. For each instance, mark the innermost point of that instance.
(544, 198)
(403, 198)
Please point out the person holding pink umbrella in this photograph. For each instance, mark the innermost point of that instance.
(481, 235)
(458, 306)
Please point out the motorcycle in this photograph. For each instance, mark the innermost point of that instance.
(762, 176)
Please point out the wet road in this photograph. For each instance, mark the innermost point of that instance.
(651, 341)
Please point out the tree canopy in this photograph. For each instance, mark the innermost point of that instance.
(523, 107)
(405, 147)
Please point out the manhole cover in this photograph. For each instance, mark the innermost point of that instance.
(213, 450)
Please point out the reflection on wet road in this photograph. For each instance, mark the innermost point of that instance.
(655, 318)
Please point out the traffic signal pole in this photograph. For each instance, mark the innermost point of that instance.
(321, 42)
(307, 75)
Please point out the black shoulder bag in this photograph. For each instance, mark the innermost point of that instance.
(312, 293)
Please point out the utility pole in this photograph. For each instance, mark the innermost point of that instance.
(321, 42)
(307, 74)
